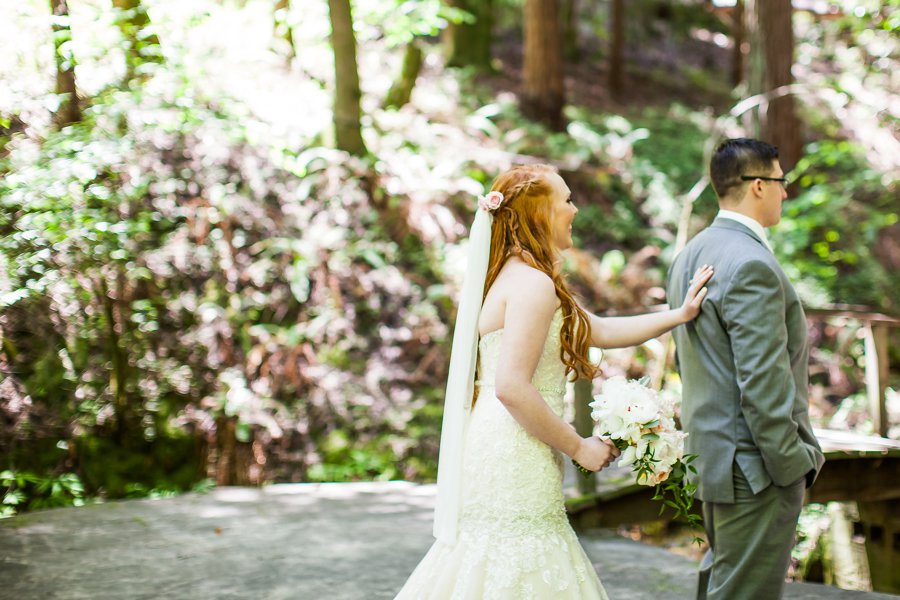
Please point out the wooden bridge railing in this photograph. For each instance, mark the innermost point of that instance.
(876, 328)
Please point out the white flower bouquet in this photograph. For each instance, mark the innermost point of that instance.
(641, 423)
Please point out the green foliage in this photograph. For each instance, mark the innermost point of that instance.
(22, 491)
(138, 467)
(163, 272)
(666, 162)
(403, 20)
(346, 461)
(647, 161)
(809, 551)
(612, 194)
(830, 228)
(348, 458)
(139, 42)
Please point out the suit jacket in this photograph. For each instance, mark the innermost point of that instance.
(743, 365)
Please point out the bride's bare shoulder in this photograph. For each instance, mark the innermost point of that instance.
(519, 278)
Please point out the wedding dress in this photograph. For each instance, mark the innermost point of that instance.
(514, 541)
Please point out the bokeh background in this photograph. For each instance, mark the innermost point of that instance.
(232, 231)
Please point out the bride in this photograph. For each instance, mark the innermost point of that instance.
(500, 520)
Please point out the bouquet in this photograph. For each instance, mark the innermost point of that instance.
(641, 423)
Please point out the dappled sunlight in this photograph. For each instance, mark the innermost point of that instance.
(231, 52)
(200, 292)
(220, 512)
(236, 495)
(863, 99)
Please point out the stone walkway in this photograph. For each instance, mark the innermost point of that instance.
(301, 542)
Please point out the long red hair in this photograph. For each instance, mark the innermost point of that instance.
(522, 228)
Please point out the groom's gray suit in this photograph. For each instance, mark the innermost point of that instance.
(743, 364)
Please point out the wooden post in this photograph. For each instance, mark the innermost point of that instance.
(584, 425)
(882, 528)
(850, 565)
(876, 338)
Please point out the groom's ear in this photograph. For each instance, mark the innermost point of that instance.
(755, 188)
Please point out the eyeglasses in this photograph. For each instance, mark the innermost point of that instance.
(781, 180)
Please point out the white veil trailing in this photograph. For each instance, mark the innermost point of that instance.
(461, 380)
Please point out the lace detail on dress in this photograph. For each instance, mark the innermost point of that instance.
(515, 541)
(550, 374)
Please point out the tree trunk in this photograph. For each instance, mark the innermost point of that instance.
(229, 470)
(347, 95)
(119, 372)
(771, 35)
(617, 48)
(568, 20)
(543, 95)
(69, 110)
(739, 36)
(283, 29)
(142, 43)
(469, 44)
(584, 425)
(401, 90)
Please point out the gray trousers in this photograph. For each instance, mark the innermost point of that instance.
(750, 542)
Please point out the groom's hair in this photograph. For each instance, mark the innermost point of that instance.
(737, 157)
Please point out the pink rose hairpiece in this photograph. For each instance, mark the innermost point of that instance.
(490, 202)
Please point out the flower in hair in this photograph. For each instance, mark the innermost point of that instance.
(491, 202)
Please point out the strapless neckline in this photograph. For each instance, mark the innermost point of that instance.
(483, 337)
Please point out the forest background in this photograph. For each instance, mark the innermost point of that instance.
(232, 231)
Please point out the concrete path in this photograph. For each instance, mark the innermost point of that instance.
(301, 542)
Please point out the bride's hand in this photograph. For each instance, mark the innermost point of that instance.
(696, 292)
(594, 453)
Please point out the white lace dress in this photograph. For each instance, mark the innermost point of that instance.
(515, 542)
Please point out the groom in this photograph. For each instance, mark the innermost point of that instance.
(743, 364)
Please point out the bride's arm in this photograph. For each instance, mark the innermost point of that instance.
(619, 332)
(526, 323)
